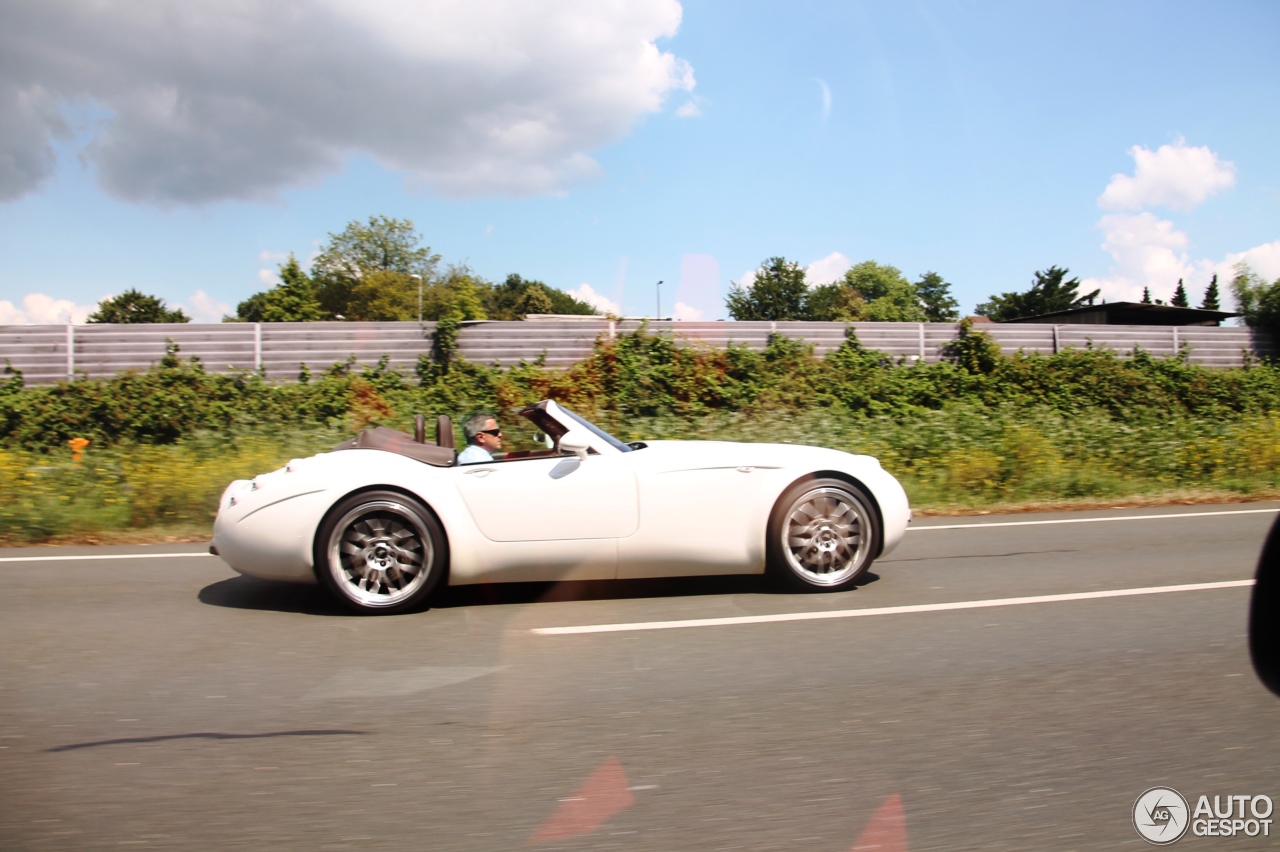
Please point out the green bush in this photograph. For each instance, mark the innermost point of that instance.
(978, 428)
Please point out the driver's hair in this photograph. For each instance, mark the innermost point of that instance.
(475, 423)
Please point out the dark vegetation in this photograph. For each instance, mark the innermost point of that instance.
(870, 291)
(133, 306)
(1051, 291)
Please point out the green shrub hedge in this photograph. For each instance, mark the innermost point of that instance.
(978, 428)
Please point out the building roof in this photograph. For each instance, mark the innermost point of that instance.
(1130, 313)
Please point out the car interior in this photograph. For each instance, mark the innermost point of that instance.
(444, 452)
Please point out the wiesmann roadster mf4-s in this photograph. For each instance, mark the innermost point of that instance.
(386, 517)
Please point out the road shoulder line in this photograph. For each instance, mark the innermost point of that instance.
(100, 556)
(1093, 520)
(885, 610)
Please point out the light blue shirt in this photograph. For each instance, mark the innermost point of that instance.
(474, 454)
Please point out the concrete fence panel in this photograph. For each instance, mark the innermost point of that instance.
(47, 354)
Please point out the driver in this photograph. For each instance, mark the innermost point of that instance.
(484, 438)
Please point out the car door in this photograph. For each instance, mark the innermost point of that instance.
(550, 499)
(699, 520)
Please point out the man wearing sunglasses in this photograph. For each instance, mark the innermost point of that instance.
(484, 438)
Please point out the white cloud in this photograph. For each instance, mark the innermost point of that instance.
(1174, 176)
(268, 277)
(823, 271)
(686, 313)
(269, 256)
(689, 109)
(603, 304)
(1148, 252)
(828, 269)
(1151, 253)
(206, 100)
(39, 309)
(202, 307)
(826, 98)
(1263, 259)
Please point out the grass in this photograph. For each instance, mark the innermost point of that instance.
(957, 460)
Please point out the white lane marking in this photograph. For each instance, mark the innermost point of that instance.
(110, 556)
(1092, 520)
(884, 610)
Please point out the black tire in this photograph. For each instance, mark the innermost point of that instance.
(823, 535)
(380, 552)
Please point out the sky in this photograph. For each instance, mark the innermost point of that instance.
(185, 148)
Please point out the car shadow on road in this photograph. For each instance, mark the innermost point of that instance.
(594, 590)
(250, 593)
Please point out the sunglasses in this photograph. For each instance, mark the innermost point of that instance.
(494, 432)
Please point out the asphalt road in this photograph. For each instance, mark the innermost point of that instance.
(159, 699)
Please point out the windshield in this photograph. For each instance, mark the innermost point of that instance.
(597, 431)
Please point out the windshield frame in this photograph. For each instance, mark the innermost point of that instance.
(596, 430)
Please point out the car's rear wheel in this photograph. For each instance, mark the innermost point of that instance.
(380, 552)
(823, 535)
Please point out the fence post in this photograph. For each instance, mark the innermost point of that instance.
(1055, 340)
(613, 329)
(1175, 340)
(921, 340)
(257, 346)
(71, 352)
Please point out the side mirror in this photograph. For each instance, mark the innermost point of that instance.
(574, 442)
(544, 439)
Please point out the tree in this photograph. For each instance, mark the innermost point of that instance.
(382, 295)
(890, 297)
(292, 300)
(381, 245)
(459, 294)
(390, 296)
(935, 294)
(836, 302)
(1210, 302)
(868, 291)
(1050, 292)
(517, 297)
(1146, 295)
(779, 292)
(132, 306)
(1259, 301)
(1179, 299)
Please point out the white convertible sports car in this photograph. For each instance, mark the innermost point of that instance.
(386, 517)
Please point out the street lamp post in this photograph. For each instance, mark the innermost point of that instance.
(658, 315)
(418, 278)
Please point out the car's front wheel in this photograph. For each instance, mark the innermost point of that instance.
(380, 552)
(823, 535)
